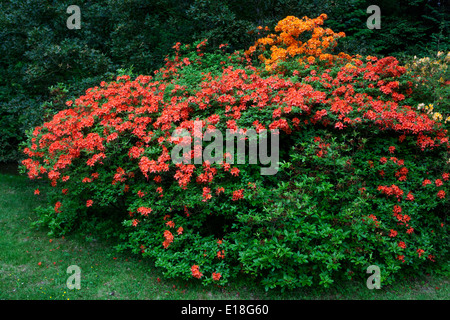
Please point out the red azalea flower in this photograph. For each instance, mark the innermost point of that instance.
(410, 196)
(216, 276)
(170, 224)
(238, 194)
(196, 271)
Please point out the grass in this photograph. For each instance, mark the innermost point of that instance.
(33, 266)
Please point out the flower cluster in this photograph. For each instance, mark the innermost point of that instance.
(289, 42)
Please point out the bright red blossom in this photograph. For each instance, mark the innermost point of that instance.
(195, 270)
(144, 211)
(216, 276)
(402, 245)
(57, 207)
(420, 252)
(238, 194)
(392, 233)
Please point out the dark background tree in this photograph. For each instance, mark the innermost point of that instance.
(43, 63)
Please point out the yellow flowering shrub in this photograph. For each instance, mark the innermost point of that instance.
(437, 116)
(425, 66)
(303, 39)
(432, 76)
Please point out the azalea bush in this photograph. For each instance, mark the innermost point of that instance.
(362, 176)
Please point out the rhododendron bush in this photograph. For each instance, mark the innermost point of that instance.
(363, 176)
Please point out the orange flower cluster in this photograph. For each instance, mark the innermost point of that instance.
(291, 42)
(195, 269)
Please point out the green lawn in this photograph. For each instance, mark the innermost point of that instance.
(33, 266)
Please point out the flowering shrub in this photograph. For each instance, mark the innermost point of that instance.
(431, 78)
(362, 179)
(292, 42)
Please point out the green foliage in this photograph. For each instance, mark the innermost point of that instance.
(328, 222)
(18, 115)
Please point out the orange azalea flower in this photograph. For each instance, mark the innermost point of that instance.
(196, 271)
(238, 194)
(206, 194)
(140, 194)
(57, 207)
(144, 211)
(402, 245)
(170, 224)
(221, 254)
(410, 196)
(234, 171)
(168, 236)
(288, 44)
(219, 190)
(420, 252)
(216, 276)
